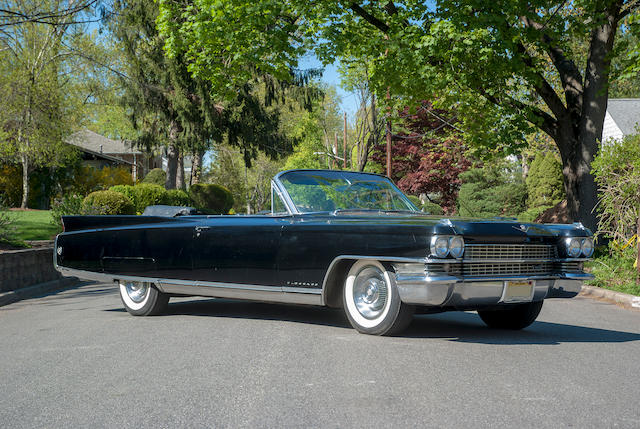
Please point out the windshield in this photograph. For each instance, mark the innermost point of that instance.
(316, 191)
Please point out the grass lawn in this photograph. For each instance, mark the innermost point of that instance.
(33, 225)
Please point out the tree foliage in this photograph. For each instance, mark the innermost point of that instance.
(496, 189)
(507, 67)
(427, 156)
(544, 181)
(617, 170)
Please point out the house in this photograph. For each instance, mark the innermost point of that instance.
(622, 119)
(99, 151)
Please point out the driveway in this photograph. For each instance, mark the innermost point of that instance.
(77, 358)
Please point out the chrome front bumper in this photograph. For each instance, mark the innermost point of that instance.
(468, 292)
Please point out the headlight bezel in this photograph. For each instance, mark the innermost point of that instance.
(459, 241)
(588, 252)
(441, 245)
(578, 247)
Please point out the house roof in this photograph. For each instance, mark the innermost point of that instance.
(95, 143)
(625, 112)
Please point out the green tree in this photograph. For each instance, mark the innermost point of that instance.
(36, 69)
(509, 67)
(544, 181)
(496, 189)
(168, 106)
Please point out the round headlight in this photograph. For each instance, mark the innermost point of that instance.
(574, 247)
(456, 246)
(440, 247)
(587, 247)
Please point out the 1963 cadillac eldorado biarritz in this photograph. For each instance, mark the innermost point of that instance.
(338, 239)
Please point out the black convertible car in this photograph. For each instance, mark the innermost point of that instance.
(339, 239)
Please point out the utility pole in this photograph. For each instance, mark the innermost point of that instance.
(335, 149)
(388, 148)
(388, 137)
(344, 142)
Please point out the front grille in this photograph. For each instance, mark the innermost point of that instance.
(509, 251)
(570, 267)
(507, 269)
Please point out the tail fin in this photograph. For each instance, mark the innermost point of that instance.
(78, 223)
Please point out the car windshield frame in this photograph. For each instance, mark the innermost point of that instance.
(325, 191)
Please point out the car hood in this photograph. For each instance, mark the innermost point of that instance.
(473, 229)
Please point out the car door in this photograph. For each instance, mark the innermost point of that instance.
(237, 250)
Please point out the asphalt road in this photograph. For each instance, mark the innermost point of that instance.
(76, 359)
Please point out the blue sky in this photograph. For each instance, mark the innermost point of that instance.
(331, 76)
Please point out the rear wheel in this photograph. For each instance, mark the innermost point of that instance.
(143, 298)
(372, 302)
(517, 316)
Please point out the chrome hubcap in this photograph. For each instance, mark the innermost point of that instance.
(137, 291)
(370, 292)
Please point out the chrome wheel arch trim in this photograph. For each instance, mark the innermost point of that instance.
(381, 259)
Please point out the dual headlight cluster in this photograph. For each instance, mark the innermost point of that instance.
(577, 246)
(447, 245)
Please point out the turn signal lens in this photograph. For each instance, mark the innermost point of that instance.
(439, 246)
(573, 246)
(456, 246)
(587, 247)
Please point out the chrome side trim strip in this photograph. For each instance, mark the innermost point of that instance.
(212, 289)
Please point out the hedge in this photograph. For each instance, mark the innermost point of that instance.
(211, 199)
(157, 176)
(143, 195)
(108, 203)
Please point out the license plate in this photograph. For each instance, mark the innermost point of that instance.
(518, 291)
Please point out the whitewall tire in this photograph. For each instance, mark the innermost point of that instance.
(142, 298)
(371, 300)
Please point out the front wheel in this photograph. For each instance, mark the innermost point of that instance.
(143, 298)
(372, 302)
(517, 316)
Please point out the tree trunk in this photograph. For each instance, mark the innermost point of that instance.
(196, 167)
(180, 171)
(172, 156)
(25, 182)
(579, 142)
(580, 189)
(172, 166)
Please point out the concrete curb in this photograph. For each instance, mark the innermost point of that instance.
(630, 302)
(10, 297)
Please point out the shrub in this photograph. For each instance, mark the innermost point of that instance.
(530, 215)
(66, 206)
(614, 269)
(209, 198)
(157, 176)
(177, 197)
(545, 185)
(494, 190)
(88, 179)
(427, 207)
(617, 171)
(432, 208)
(108, 203)
(143, 195)
(415, 200)
(10, 185)
(7, 230)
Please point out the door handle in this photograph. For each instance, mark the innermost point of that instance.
(199, 229)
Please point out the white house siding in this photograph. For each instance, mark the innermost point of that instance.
(611, 131)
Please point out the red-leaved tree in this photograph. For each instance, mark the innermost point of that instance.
(428, 156)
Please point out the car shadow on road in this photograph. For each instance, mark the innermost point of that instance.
(453, 326)
(258, 310)
(467, 327)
